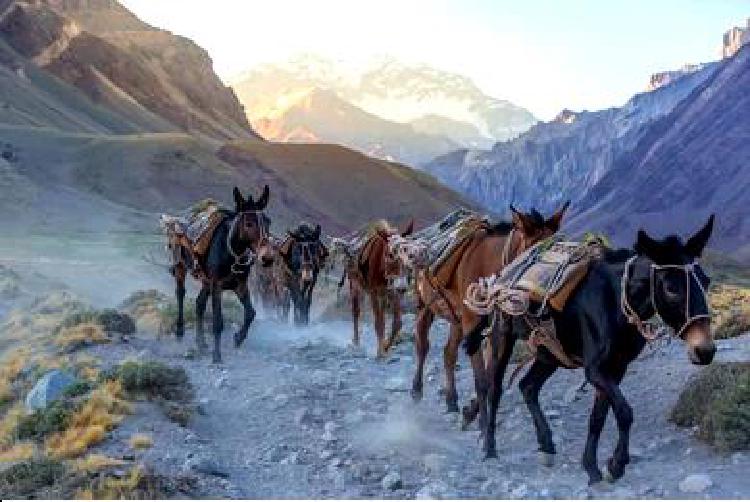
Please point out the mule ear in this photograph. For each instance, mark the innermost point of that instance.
(554, 221)
(409, 228)
(644, 244)
(239, 201)
(521, 221)
(316, 233)
(696, 243)
(263, 201)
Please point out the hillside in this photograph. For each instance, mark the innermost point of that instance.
(322, 116)
(692, 162)
(157, 80)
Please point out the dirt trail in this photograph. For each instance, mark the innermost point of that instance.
(296, 413)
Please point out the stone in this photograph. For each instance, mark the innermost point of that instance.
(302, 416)
(208, 466)
(48, 389)
(292, 459)
(695, 483)
(433, 462)
(395, 384)
(737, 458)
(391, 481)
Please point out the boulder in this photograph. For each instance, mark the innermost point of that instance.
(392, 481)
(47, 389)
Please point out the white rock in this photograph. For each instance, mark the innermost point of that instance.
(696, 483)
(737, 458)
(392, 481)
(330, 427)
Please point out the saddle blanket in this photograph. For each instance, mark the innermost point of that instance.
(195, 229)
(448, 235)
(545, 274)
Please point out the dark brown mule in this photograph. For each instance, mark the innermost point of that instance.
(237, 240)
(373, 271)
(486, 252)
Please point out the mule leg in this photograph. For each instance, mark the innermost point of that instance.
(179, 273)
(421, 347)
(450, 356)
(597, 418)
(200, 309)
(502, 341)
(395, 300)
(530, 386)
(218, 319)
(377, 299)
(355, 293)
(244, 297)
(608, 385)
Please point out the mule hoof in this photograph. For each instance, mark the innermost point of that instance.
(546, 459)
(451, 407)
(490, 453)
(416, 395)
(216, 359)
(238, 340)
(614, 470)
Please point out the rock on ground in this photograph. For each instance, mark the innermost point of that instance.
(48, 389)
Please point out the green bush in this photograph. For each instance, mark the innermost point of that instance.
(154, 380)
(79, 388)
(53, 418)
(110, 320)
(717, 401)
(24, 480)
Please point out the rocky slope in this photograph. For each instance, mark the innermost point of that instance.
(153, 78)
(432, 102)
(561, 159)
(690, 163)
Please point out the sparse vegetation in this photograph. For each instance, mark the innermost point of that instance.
(717, 402)
(26, 479)
(18, 452)
(137, 484)
(153, 380)
(88, 425)
(95, 462)
(80, 335)
(38, 425)
(10, 368)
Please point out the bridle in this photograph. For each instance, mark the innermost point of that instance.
(246, 258)
(648, 330)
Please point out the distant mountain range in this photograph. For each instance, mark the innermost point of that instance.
(664, 161)
(432, 112)
(106, 122)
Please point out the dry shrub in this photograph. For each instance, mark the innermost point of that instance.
(28, 479)
(95, 462)
(717, 402)
(103, 410)
(138, 484)
(81, 335)
(10, 368)
(9, 426)
(733, 324)
(154, 380)
(18, 452)
(140, 441)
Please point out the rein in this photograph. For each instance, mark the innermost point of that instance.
(647, 329)
(247, 257)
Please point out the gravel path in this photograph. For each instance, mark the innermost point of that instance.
(298, 414)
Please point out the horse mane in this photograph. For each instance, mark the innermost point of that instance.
(614, 256)
(500, 228)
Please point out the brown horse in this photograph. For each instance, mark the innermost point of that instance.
(269, 286)
(484, 252)
(374, 270)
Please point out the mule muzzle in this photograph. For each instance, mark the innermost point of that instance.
(700, 344)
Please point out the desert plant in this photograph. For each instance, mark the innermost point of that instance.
(80, 335)
(733, 324)
(153, 380)
(24, 479)
(717, 402)
(140, 441)
(41, 423)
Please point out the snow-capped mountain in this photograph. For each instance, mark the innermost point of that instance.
(447, 106)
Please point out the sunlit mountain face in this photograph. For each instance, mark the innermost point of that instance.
(310, 98)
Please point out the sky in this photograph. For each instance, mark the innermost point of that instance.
(545, 55)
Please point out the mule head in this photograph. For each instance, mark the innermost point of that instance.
(304, 253)
(532, 227)
(393, 268)
(678, 287)
(253, 224)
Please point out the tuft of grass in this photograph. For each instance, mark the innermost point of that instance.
(734, 324)
(18, 452)
(140, 441)
(89, 425)
(717, 402)
(10, 368)
(110, 320)
(137, 484)
(154, 380)
(79, 388)
(23, 480)
(38, 425)
(79, 336)
(9, 426)
(95, 462)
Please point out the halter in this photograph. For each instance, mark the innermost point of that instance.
(647, 329)
(247, 257)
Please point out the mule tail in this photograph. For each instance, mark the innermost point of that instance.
(473, 340)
